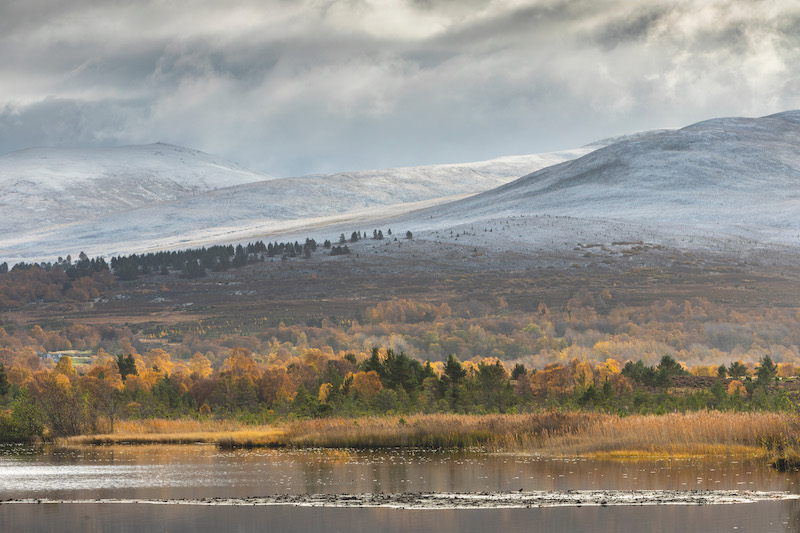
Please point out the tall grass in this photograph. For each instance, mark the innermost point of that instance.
(226, 433)
(698, 433)
(552, 433)
(561, 434)
(437, 431)
(163, 426)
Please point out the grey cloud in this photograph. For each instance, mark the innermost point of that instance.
(314, 91)
(58, 122)
(450, 5)
(635, 27)
(525, 23)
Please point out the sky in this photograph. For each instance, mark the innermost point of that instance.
(291, 87)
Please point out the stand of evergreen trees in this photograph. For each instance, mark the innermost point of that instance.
(83, 267)
(191, 263)
(195, 262)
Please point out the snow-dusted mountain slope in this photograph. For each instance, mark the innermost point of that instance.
(730, 185)
(40, 187)
(714, 181)
(144, 217)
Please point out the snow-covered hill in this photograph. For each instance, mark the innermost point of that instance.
(731, 183)
(40, 187)
(136, 199)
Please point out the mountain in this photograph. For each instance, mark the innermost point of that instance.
(40, 187)
(135, 199)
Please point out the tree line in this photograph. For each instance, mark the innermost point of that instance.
(64, 279)
(66, 401)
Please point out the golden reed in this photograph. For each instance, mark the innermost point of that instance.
(550, 433)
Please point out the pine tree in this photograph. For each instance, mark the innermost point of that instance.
(767, 370)
(5, 386)
(127, 366)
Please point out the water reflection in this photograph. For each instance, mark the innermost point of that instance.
(204, 471)
(168, 472)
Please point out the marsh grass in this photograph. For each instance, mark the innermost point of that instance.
(559, 434)
(674, 434)
(770, 435)
(491, 432)
(225, 433)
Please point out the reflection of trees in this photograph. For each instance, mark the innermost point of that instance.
(318, 475)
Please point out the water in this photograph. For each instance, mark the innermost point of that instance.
(176, 472)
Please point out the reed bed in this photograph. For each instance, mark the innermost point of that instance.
(698, 433)
(180, 425)
(225, 433)
(492, 432)
(561, 434)
(771, 435)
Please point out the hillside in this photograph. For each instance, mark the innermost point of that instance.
(129, 200)
(725, 184)
(40, 187)
(728, 185)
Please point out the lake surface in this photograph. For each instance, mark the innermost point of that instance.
(196, 472)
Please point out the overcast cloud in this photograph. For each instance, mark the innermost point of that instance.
(298, 86)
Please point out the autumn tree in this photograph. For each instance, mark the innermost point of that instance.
(275, 384)
(240, 364)
(366, 384)
(64, 367)
(200, 366)
(63, 406)
(105, 394)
